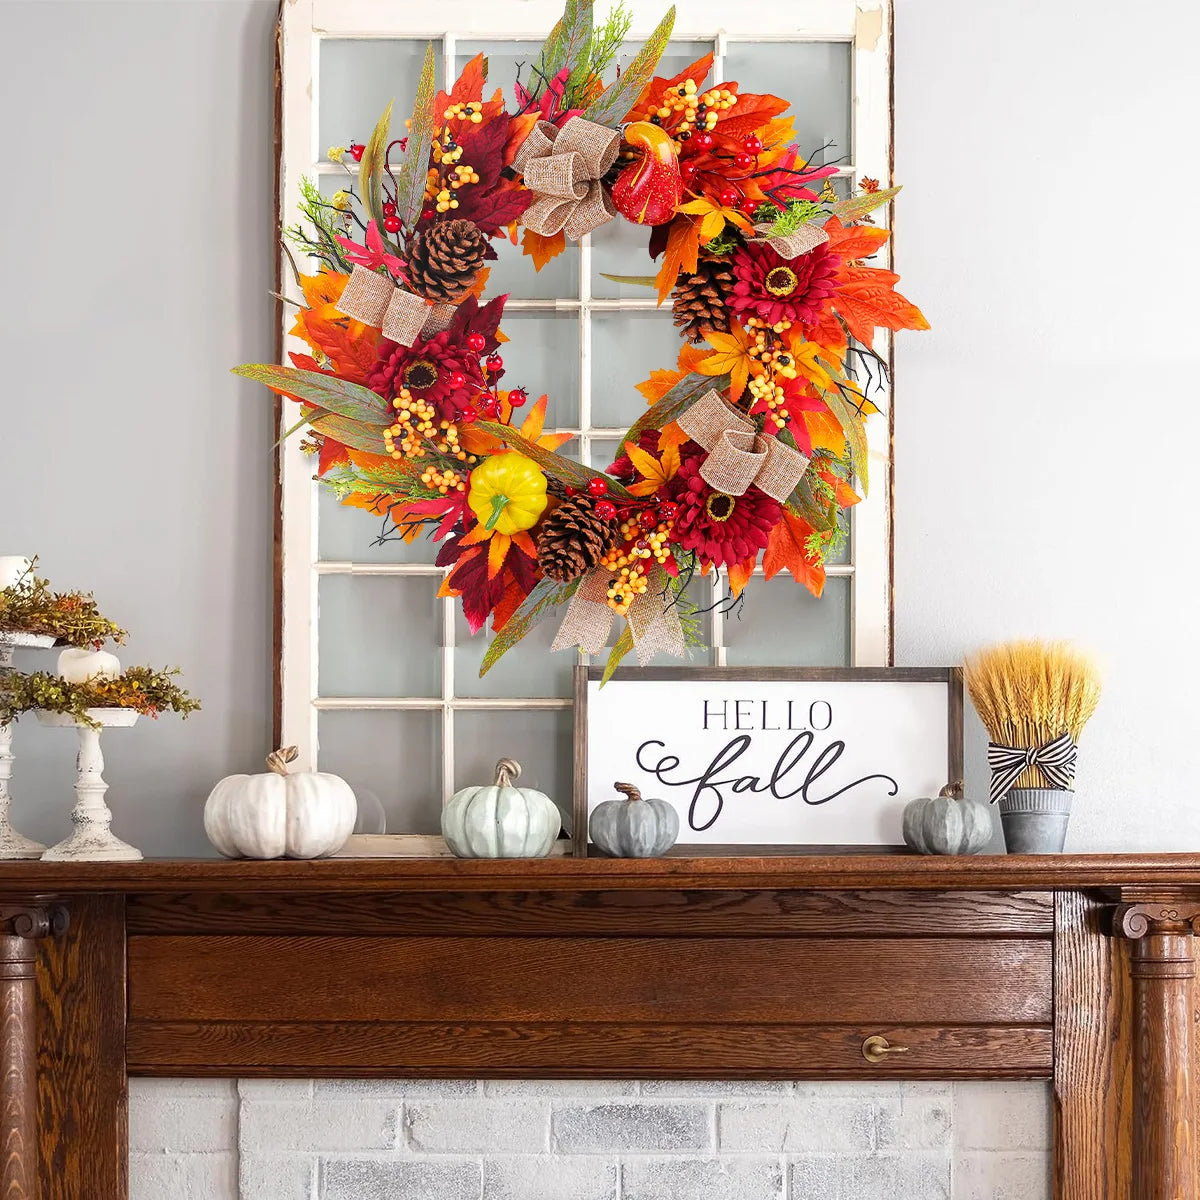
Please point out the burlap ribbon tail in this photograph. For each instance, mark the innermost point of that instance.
(403, 316)
(792, 245)
(564, 168)
(653, 620)
(738, 455)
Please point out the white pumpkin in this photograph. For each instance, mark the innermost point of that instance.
(280, 815)
(501, 821)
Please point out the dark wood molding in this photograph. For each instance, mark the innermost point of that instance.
(1075, 968)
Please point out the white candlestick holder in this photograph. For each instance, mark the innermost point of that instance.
(12, 843)
(92, 838)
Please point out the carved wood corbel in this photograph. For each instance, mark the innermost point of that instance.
(1163, 969)
(21, 924)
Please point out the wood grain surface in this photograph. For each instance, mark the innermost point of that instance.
(18, 1066)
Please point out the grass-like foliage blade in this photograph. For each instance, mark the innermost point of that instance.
(616, 100)
(546, 596)
(566, 470)
(858, 207)
(410, 184)
(349, 400)
(370, 169)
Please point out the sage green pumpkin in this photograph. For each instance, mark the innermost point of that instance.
(948, 824)
(633, 827)
(501, 821)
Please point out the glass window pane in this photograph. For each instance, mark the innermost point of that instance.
(395, 756)
(814, 76)
(622, 248)
(379, 636)
(346, 534)
(359, 77)
(513, 272)
(626, 347)
(540, 740)
(542, 356)
(529, 669)
(780, 623)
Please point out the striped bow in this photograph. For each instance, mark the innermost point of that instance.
(1055, 760)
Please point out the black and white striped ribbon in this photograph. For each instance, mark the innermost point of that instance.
(1055, 760)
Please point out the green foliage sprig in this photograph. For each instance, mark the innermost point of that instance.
(32, 606)
(327, 220)
(143, 689)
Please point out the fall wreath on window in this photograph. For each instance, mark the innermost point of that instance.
(752, 444)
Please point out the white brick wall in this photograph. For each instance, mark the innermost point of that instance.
(575, 1140)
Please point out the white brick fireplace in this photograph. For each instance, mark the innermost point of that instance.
(548, 1140)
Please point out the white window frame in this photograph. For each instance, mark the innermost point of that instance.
(865, 24)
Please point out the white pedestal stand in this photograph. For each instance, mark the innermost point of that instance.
(12, 843)
(92, 839)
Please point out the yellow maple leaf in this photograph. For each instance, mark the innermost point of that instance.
(654, 472)
(731, 356)
(713, 217)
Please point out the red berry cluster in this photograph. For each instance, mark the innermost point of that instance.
(607, 510)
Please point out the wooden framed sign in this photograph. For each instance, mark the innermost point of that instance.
(770, 759)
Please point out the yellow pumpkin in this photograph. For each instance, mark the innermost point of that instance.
(507, 493)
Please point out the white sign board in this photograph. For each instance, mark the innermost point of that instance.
(802, 758)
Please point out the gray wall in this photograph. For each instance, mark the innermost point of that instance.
(1042, 426)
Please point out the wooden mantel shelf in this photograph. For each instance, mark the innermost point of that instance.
(1109, 872)
(1078, 969)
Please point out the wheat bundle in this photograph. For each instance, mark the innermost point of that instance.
(1028, 693)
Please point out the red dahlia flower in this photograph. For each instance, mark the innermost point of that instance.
(721, 529)
(777, 289)
(427, 369)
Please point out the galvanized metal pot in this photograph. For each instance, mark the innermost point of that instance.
(1035, 820)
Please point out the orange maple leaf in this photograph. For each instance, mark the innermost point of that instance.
(542, 249)
(843, 494)
(740, 573)
(750, 114)
(826, 432)
(866, 299)
(854, 241)
(786, 551)
(731, 356)
(477, 441)
(652, 97)
(654, 472)
(683, 251)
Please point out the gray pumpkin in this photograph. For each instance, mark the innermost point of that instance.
(633, 827)
(948, 824)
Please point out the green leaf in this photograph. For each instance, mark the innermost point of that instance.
(567, 470)
(857, 207)
(349, 400)
(567, 42)
(667, 409)
(370, 168)
(547, 595)
(349, 433)
(622, 647)
(851, 422)
(649, 281)
(610, 107)
(410, 184)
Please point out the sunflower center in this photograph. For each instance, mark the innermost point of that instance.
(421, 374)
(781, 281)
(720, 506)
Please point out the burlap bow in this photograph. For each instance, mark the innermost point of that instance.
(563, 168)
(1055, 760)
(653, 620)
(738, 456)
(792, 245)
(373, 299)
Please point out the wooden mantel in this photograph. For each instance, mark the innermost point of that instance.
(1076, 969)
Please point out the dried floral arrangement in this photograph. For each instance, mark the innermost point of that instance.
(143, 689)
(752, 444)
(1034, 698)
(71, 618)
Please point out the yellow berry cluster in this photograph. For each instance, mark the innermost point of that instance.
(414, 422)
(472, 111)
(444, 481)
(628, 560)
(625, 587)
(699, 110)
(446, 442)
(769, 349)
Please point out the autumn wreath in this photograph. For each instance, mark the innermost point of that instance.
(752, 445)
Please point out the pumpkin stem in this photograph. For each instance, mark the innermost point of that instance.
(278, 760)
(953, 791)
(507, 770)
(499, 504)
(628, 791)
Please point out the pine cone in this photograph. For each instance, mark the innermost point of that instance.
(700, 299)
(444, 260)
(572, 540)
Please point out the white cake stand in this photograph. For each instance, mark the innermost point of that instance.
(12, 843)
(91, 840)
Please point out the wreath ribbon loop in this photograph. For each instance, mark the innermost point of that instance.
(653, 621)
(1055, 760)
(738, 455)
(564, 168)
(792, 245)
(402, 315)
